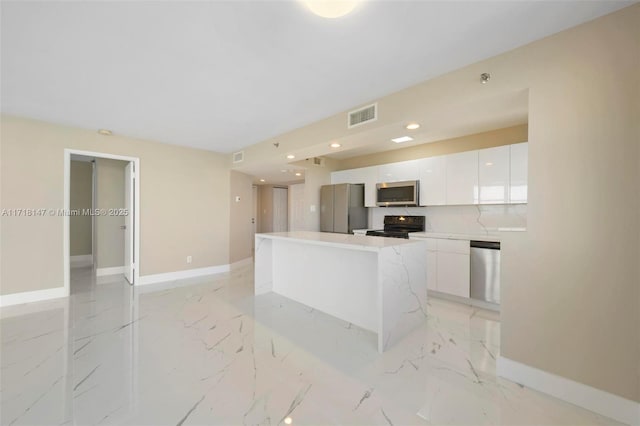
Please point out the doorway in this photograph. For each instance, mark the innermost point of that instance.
(129, 215)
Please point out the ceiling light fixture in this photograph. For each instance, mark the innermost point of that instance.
(298, 174)
(331, 8)
(291, 156)
(261, 180)
(402, 139)
(412, 126)
(484, 77)
(488, 164)
(335, 145)
(105, 132)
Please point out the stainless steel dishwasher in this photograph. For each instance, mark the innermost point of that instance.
(485, 271)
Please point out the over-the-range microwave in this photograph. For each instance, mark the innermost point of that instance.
(403, 193)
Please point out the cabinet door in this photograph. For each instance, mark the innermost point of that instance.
(342, 176)
(433, 181)
(518, 181)
(366, 175)
(493, 175)
(397, 172)
(453, 273)
(462, 178)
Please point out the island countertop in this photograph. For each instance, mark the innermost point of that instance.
(356, 242)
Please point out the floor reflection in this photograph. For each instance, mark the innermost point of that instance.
(206, 351)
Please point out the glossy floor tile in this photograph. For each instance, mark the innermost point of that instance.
(208, 352)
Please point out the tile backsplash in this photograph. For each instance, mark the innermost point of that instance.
(474, 219)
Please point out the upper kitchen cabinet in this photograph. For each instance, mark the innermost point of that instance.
(343, 176)
(397, 172)
(462, 178)
(519, 173)
(493, 175)
(366, 175)
(433, 181)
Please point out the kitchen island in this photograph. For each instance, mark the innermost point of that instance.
(379, 284)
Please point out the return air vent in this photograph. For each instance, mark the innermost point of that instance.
(238, 157)
(317, 161)
(363, 115)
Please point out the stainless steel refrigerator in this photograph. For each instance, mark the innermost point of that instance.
(342, 208)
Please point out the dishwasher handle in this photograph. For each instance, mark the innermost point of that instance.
(491, 245)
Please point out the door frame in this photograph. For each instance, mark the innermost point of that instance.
(67, 206)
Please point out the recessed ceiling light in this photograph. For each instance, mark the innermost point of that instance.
(288, 420)
(335, 145)
(261, 180)
(291, 156)
(402, 139)
(331, 9)
(412, 126)
(298, 174)
(105, 132)
(488, 164)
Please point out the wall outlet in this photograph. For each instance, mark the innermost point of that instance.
(189, 259)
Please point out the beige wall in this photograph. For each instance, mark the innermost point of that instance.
(109, 195)
(571, 306)
(184, 202)
(241, 212)
(80, 194)
(506, 136)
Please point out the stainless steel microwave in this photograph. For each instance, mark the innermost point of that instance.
(403, 193)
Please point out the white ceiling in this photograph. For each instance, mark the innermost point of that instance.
(224, 75)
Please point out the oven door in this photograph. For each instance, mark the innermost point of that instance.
(403, 193)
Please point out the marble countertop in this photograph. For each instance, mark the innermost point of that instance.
(358, 242)
(453, 236)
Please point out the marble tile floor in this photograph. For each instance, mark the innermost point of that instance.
(206, 351)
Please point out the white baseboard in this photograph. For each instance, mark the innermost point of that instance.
(81, 260)
(100, 272)
(32, 296)
(590, 398)
(240, 263)
(179, 275)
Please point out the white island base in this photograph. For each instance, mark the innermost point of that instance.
(379, 284)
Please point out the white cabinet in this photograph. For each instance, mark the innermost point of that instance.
(432, 269)
(462, 178)
(366, 175)
(518, 181)
(487, 176)
(397, 172)
(453, 268)
(493, 175)
(433, 181)
(448, 266)
(342, 176)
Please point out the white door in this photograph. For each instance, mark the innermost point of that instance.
(280, 207)
(129, 176)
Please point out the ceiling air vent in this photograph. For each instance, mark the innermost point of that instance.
(363, 115)
(238, 157)
(318, 161)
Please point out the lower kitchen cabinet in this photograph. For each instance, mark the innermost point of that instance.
(453, 273)
(448, 267)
